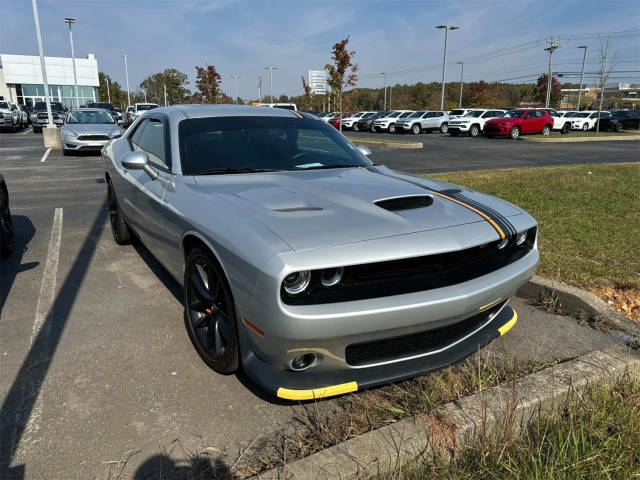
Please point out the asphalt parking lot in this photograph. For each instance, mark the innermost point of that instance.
(444, 153)
(96, 365)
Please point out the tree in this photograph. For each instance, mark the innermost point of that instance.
(174, 81)
(208, 84)
(604, 74)
(116, 94)
(541, 90)
(342, 66)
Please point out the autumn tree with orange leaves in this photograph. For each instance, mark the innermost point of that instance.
(342, 73)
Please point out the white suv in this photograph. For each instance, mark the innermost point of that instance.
(458, 112)
(472, 123)
(424, 121)
(352, 121)
(585, 120)
(388, 122)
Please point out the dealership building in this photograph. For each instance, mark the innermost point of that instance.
(21, 79)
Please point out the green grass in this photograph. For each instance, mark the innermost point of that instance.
(589, 218)
(597, 436)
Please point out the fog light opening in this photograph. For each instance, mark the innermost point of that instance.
(302, 362)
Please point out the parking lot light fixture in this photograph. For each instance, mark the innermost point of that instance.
(461, 81)
(235, 80)
(444, 61)
(69, 21)
(271, 69)
(385, 89)
(42, 65)
(584, 57)
(126, 74)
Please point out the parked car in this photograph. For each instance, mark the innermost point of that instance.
(39, 116)
(303, 263)
(88, 129)
(472, 123)
(119, 116)
(106, 105)
(620, 120)
(366, 122)
(519, 121)
(6, 224)
(561, 124)
(458, 112)
(328, 116)
(26, 112)
(140, 108)
(10, 116)
(351, 122)
(585, 121)
(423, 121)
(127, 115)
(388, 122)
(335, 121)
(567, 114)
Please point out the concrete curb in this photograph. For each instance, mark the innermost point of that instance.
(510, 405)
(371, 143)
(581, 139)
(575, 301)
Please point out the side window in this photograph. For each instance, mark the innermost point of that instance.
(149, 137)
(553, 113)
(437, 114)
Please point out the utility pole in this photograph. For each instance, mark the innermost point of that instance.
(145, 96)
(385, 89)
(259, 88)
(461, 80)
(602, 74)
(552, 46)
(584, 57)
(444, 60)
(271, 69)
(390, 95)
(164, 86)
(235, 80)
(42, 66)
(71, 20)
(108, 92)
(126, 73)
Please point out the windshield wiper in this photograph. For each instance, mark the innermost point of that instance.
(223, 171)
(322, 167)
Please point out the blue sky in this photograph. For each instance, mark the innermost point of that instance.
(241, 37)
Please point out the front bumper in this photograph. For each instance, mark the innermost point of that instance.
(497, 129)
(459, 128)
(71, 143)
(42, 122)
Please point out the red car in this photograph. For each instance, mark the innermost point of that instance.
(518, 122)
(335, 121)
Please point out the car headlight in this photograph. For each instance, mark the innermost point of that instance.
(69, 133)
(521, 237)
(330, 277)
(297, 282)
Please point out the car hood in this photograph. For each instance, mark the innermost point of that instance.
(91, 128)
(320, 208)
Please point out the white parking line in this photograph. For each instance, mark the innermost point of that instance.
(30, 130)
(46, 154)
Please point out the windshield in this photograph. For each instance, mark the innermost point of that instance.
(56, 106)
(405, 114)
(4, 105)
(392, 115)
(457, 112)
(474, 113)
(106, 106)
(514, 114)
(146, 107)
(357, 115)
(416, 114)
(581, 115)
(368, 115)
(89, 116)
(245, 144)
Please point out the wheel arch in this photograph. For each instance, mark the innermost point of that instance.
(191, 239)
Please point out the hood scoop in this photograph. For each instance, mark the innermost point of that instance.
(411, 202)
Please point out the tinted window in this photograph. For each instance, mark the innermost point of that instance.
(514, 114)
(438, 114)
(278, 143)
(457, 112)
(149, 137)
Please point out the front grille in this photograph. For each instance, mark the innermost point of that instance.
(390, 349)
(93, 137)
(415, 274)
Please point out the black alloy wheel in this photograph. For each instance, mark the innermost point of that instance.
(119, 228)
(209, 312)
(618, 127)
(6, 226)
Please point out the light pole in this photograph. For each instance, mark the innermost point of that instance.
(385, 89)
(259, 88)
(108, 92)
(164, 86)
(71, 20)
(461, 80)
(235, 80)
(42, 66)
(584, 57)
(444, 61)
(126, 74)
(271, 69)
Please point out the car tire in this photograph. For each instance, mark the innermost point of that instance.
(618, 127)
(514, 134)
(392, 128)
(416, 128)
(546, 130)
(444, 128)
(66, 152)
(566, 128)
(119, 228)
(373, 129)
(355, 127)
(209, 312)
(6, 226)
(474, 131)
(585, 127)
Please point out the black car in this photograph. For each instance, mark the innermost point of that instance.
(39, 117)
(621, 120)
(365, 123)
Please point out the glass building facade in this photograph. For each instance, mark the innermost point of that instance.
(29, 94)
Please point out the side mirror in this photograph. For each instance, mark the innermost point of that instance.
(366, 151)
(139, 161)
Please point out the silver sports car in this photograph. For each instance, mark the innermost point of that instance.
(315, 270)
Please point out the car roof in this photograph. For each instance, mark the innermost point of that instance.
(204, 111)
(89, 109)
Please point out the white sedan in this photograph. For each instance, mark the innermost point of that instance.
(585, 120)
